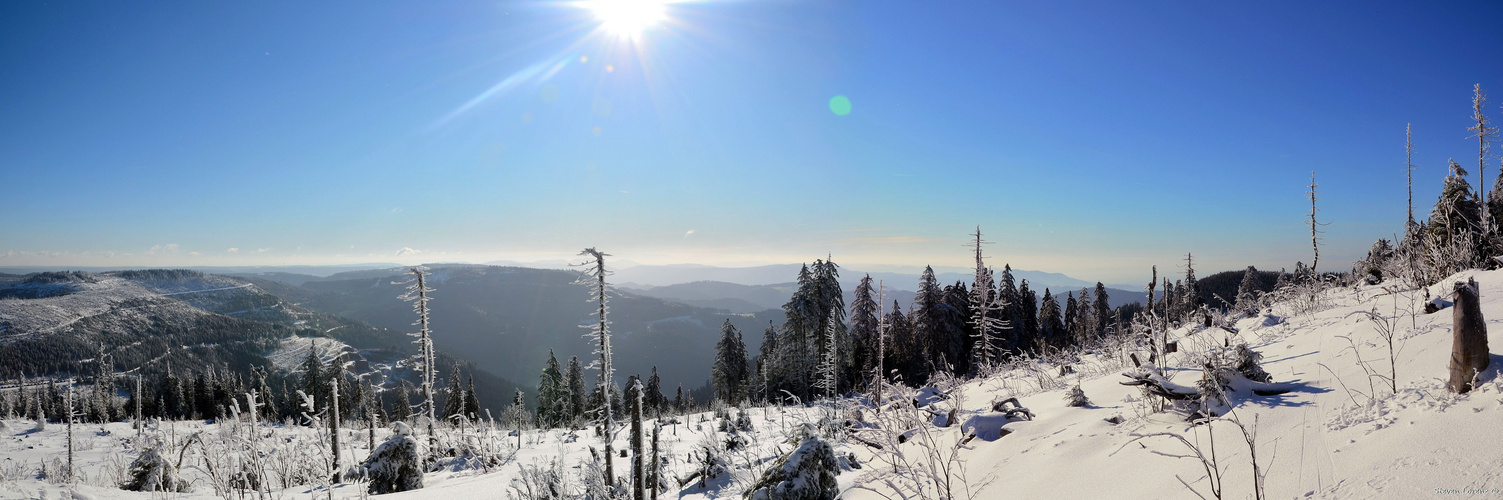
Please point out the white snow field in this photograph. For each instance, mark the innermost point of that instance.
(1337, 432)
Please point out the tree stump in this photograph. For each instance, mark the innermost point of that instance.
(1469, 354)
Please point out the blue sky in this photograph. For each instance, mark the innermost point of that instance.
(1094, 139)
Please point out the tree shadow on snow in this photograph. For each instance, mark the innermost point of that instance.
(1275, 395)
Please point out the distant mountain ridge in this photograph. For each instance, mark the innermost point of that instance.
(55, 324)
(506, 319)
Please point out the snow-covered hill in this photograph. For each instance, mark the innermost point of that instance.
(50, 303)
(1335, 433)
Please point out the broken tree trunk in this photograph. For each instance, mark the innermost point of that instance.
(1469, 355)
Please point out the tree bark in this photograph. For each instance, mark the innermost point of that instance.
(1469, 354)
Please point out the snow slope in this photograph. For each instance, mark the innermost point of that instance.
(1333, 435)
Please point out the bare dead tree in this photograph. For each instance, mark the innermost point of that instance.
(638, 486)
(333, 422)
(984, 310)
(594, 277)
(1485, 135)
(417, 293)
(881, 343)
(1409, 166)
(68, 475)
(1314, 231)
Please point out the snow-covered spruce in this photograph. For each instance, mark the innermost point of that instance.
(1249, 364)
(395, 465)
(806, 473)
(1076, 397)
(152, 472)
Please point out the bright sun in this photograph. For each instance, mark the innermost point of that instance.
(628, 17)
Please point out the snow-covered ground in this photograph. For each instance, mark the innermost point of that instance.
(1337, 433)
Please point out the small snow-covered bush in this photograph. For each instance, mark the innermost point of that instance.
(540, 481)
(395, 465)
(592, 479)
(152, 472)
(743, 421)
(710, 460)
(1076, 397)
(1249, 364)
(806, 473)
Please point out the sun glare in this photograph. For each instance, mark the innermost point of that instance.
(627, 17)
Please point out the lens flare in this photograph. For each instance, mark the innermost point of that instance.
(628, 18)
(840, 105)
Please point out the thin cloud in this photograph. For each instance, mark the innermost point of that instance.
(232, 250)
(408, 251)
(168, 248)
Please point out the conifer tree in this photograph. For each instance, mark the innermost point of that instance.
(926, 318)
(767, 368)
(1495, 199)
(1456, 214)
(1103, 309)
(680, 406)
(655, 398)
(203, 395)
(1247, 291)
(1191, 292)
(1085, 318)
(1012, 309)
(402, 409)
(314, 379)
(24, 403)
(1051, 325)
(264, 395)
(1029, 338)
(832, 317)
(1071, 311)
(829, 365)
(471, 401)
(808, 314)
(552, 394)
(907, 356)
(864, 325)
(576, 388)
(516, 416)
(453, 397)
(798, 345)
(338, 381)
(955, 335)
(730, 368)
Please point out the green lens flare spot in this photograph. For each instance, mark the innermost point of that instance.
(840, 105)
